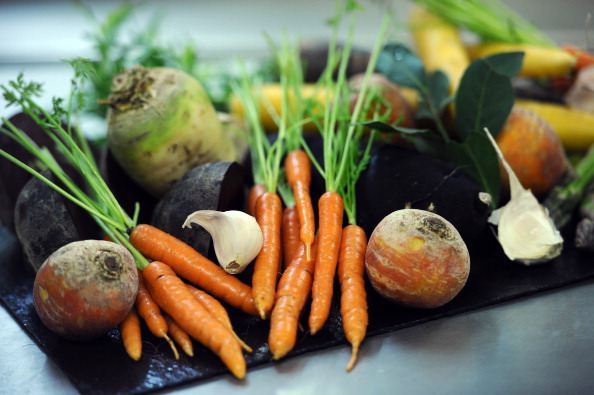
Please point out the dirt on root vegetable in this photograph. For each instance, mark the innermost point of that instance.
(85, 289)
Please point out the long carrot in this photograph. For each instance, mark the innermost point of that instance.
(215, 308)
(193, 266)
(298, 171)
(330, 208)
(268, 262)
(180, 336)
(353, 300)
(131, 335)
(151, 314)
(293, 290)
(171, 293)
(254, 193)
(290, 234)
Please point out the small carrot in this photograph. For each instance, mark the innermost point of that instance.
(193, 266)
(330, 210)
(215, 308)
(290, 234)
(180, 336)
(268, 262)
(151, 314)
(173, 296)
(254, 193)
(131, 335)
(353, 299)
(298, 170)
(294, 288)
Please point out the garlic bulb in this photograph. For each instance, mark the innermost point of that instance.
(237, 237)
(524, 228)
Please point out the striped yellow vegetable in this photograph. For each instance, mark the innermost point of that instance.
(539, 62)
(574, 127)
(438, 45)
(269, 96)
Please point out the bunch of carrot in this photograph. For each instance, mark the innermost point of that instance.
(311, 261)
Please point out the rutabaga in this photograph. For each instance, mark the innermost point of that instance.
(160, 124)
(236, 236)
(524, 228)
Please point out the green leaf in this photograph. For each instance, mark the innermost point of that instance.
(439, 90)
(478, 158)
(400, 65)
(485, 96)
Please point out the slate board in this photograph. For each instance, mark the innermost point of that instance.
(493, 279)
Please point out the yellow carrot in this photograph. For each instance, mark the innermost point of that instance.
(539, 62)
(439, 45)
(270, 98)
(575, 128)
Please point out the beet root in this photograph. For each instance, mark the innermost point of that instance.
(85, 289)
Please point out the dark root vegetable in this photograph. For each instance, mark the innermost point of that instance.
(44, 221)
(212, 186)
(398, 178)
(85, 289)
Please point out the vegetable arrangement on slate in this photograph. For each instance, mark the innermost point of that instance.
(242, 244)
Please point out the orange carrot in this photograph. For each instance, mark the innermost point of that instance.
(255, 192)
(215, 308)
(173, 296)
(298, 170)
(294, 288)
(268, 262)
(290, 234)
(151, 314)
(193, 266)
(583, 57)
(180, 336)
(330, 208)
(353, 299)
(131, 335)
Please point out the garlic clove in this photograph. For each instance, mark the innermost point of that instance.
(236, 236)
(525, 230)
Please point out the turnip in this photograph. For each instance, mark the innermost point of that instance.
(85, 289)
(161, 123)
(416, 258)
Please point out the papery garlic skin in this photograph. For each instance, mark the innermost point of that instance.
(524, 229)
(236, 236)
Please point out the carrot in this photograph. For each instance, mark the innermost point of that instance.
(215, 308)
(193, 266)
(353, 300)
(330, 208)
(255, 192)
(180, 336)
(173, 296)
(131, 335)
(290, 234)
(268, 261)
(151, 314)
(298, 170)
(583, 57)
(293, 290)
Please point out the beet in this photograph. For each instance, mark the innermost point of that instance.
(44, 221)
(212, 186)
(12, 177)
(397, 177)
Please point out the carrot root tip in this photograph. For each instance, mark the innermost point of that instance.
(353, 359)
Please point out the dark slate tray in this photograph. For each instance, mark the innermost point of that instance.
(493, 279)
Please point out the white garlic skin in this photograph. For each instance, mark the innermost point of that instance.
(236, 236)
